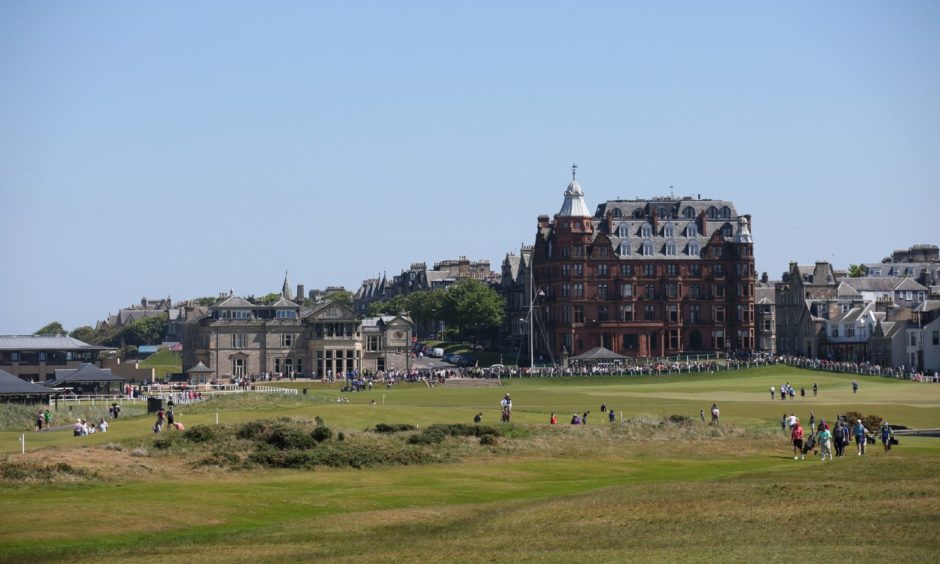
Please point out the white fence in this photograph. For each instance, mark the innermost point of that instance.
(166, 392)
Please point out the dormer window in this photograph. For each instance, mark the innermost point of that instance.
(668, 230)
(726, 231)
(725, 212)
(616, 213)
(661, 212)
(623, 230)
(648, 248)
(624, 249)
(691, 230)
(646, 230)
(688, 212)
(670, 248)
(712, 213)
(694, 249)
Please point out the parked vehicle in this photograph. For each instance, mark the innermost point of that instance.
(437, 352)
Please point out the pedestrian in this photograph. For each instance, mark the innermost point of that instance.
(815, 389)
(796, 435)
(611, 416)
(812, 419)
(802, 392)
(161, 419)
(603, 408)
(783, 423)
(824, 438)
(886, 435)
(39, 421)
(584, 418)
(840, 437)
(575, 420)
(170, 417)
(860, 436)
(715, 414)
(478, 417)
(854, 386)
(47, 417)
(553, 420)
(701, 414)
(772, 392)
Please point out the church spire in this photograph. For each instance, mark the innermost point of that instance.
(285, 289)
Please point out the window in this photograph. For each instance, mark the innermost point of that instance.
(717, 270)
(695, 314)
(672, 270)
(850, 331)
(579, 314)
(579, 251)
(372, 344)
(629, 342)
(691, 230)
(565, 290)
(623, 230)
(566, 314)
(726, 231)
(647, 248)
(649, 292)
(579, 270)
(616, 213)
(626, 269)
(287, 340)
(936, 338)
(670, 248)
(602, 252)
(649, 270)
(626, 290)
(716, 252)
(602, 313)
(726, 212)
(719, 314)
(688, 212)
(695, 291)
(565, 252)
(672, 291)
(602, 270)
(238, 340)
(566, 270)
(695, 269)
(624, 249)
(712, 212)
(646, 230)
(578, 291)
(285, 314)
(740, 313)
(602, 291)
(913, 339)
(672, 313)
(694, 249)
(238, 367)
(668, 230)
(674, 339)
(626, 312)
(649, 313)
(718, 290)
(719, 339)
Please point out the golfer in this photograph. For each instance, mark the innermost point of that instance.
(796, 435)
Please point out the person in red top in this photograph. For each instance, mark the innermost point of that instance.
(553, 420)
(797, 436)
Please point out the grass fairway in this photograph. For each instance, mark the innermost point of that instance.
(599, 492)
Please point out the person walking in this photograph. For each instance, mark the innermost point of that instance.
(854, 386)
(812, 419)
(783, 423)
(715, 414)
(860, 436)
(824, 437)
(841, 437)
(802, 392)
(553, 420)
(772, 392)
(886, 435)
(611, 416)
(796, 436)
(815, 389)
(701, 414)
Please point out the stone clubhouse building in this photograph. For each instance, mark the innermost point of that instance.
(238, 339)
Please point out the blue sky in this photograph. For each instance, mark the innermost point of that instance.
(186, 148)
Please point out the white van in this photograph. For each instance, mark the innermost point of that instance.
(437, 353)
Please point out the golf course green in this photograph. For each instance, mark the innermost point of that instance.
(654, 485)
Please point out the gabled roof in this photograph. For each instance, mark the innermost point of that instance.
(84, 373)
(200, 368)
(873, 283)
(320, 310)
(598, 353)
(233, 301)
(847, 291)
(284, 303)
(13, 385)
(909, 284)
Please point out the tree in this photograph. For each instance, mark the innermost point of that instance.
(341, 297)
(857, 270)
(471, 304)
(426, 306)
(269, 299)
(394, 306)
(54, 328)
(84, 333)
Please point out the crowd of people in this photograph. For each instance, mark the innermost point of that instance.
(823, 440)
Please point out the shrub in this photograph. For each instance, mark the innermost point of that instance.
(341, 436)
(679, 419)
(162, 443)
(394, 427)
(253, 429)
(219, 458)
(289, 438)
(37, 472)
(319, 421)
(488, 440)
(321, 434)
(436, 433)
(200, 434)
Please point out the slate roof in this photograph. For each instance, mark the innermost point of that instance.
(909, 284)
(233, 301)
(13, 385)
(847, 291)
(284, 303)
(598, 353)
(84, 373)
(45, 342)
(200, 368)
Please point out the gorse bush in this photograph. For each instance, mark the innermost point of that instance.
(394, 427)
(38, 472)
(200, 434)
(437, 433)
(322, 433)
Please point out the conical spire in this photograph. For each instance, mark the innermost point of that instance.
(285, 289)
(574, 205)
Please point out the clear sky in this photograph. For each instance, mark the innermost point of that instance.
(186, 148)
